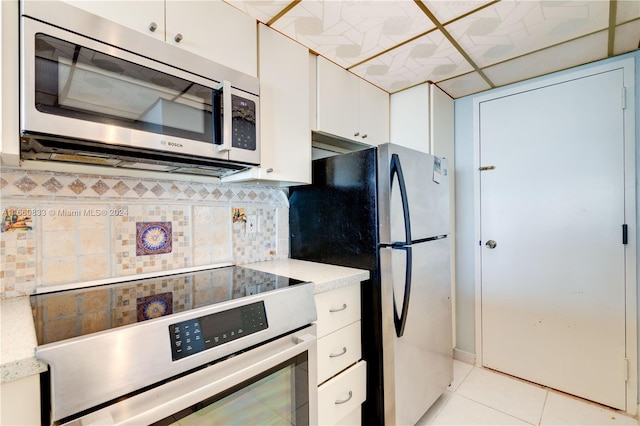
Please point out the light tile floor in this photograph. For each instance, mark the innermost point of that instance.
(481, 397)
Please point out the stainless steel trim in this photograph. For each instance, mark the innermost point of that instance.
(342, 308)
(226, 118)
(344, 401)
(334, 355)
(172, 397)
(90, 370)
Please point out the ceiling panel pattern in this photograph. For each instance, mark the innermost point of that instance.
(463, 46)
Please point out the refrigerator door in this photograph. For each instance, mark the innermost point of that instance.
(418, 365)
(413, 182)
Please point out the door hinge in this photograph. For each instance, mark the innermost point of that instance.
(626, 369)
(625, 234)
(624, 97)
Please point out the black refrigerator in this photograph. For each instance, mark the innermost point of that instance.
(386, 209)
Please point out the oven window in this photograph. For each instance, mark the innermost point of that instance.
(77, 82)
(279, 396)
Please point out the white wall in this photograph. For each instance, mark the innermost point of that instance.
(465, 241)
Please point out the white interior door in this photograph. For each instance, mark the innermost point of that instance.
(553, 287)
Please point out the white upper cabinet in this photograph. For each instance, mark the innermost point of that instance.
(212, 29)
(422, 119)
(215, 30)
(350, 107)
(144, 16)
(410, 118)
(285, 132)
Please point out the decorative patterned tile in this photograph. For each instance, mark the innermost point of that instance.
(121, 188)
(78, 186)
(203, 193)
(189, 192)
(100, 187)
(140, 189)
(90, 232)
(158, 190)
(153, 238)
(25, 184)
(53, 185)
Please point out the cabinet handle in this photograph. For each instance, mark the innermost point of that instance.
(364, 136)
(344, 351)
(344, 401)
(178, 38)
(344, 306)
(270, 170)
(153, 27)
(356, 134)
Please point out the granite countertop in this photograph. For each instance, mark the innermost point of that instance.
(18, 341)
(325, 277)
(18, 337)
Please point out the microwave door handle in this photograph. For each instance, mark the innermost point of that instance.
(227, 115)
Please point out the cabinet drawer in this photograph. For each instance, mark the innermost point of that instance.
(338, 350)
(341, 395)
(337, 308)
(354, 418)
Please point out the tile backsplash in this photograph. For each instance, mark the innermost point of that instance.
(66, 228)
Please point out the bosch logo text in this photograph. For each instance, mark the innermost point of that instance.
(169, 143)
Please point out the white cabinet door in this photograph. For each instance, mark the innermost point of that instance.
(214, 30)
(350, 107)
(211, 29)
(285, 132)
(373, 114)
(337, 100)
(409, 119)
(144, 16)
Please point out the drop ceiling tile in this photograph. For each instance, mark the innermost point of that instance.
(262, 10)
(513, 28)
(627, 37)
(627, 10)
(430, 57)
(464, 85)
(447, 10)
(577, 52)
(348, 32)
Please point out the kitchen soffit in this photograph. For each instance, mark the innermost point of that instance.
(463, 46)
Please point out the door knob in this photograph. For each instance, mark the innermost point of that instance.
(491, 244)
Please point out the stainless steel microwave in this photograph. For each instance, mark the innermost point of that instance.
(95, 92)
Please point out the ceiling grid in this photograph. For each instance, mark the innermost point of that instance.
(463, 46)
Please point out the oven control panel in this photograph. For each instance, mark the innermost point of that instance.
(199, 334)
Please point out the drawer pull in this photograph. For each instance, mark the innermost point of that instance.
(344, 351)
(344, 306)
(344, 401)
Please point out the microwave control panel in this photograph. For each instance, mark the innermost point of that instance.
(199, 334)
(243, 123)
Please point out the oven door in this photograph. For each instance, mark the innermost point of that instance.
(274, 382)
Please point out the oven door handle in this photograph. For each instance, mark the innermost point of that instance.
(163, 401)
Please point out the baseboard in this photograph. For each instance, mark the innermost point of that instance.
(464, 356)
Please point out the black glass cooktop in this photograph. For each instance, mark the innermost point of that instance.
(72, 313)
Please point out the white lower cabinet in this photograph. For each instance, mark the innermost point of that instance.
(338, 351)
(342, 374)
(340, 396)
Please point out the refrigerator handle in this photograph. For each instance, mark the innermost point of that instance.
(401, 321)
(396, 169)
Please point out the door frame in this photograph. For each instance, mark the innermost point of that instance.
(627, 64)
